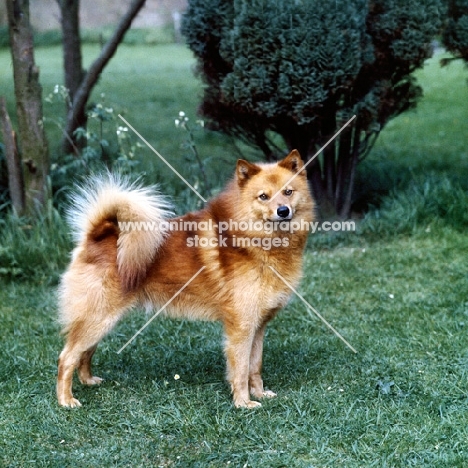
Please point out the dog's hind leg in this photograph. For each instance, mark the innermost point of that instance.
(82, 340)
(84, 368)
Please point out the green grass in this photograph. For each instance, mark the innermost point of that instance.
(396, 290)
(34, 250)
(401, 401)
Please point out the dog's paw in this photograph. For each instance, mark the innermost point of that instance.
(92, 381)
(250, 404)
(259, 393)
(253, 404)
(70, 403)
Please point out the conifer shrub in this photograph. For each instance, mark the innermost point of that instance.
(284, 74)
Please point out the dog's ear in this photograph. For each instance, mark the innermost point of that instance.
(293, 162)
(245, 170)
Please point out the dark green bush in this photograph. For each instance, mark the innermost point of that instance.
(48, 38)
(4, 37)
(302, 69)
(41, 38)
(141, 36)
(455, 37)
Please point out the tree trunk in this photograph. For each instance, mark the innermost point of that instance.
(13, 160)
(353, 158)
(89, 80)
(329, 153)
(314, 176)
(343, 164)
(73, 66)
(28, 94)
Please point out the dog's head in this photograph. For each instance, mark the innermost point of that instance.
(273, 192)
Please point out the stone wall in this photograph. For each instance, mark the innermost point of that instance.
(98, 13)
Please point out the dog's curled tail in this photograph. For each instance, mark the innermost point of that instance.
(110, 205)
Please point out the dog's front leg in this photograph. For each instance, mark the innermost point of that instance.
(255, 370)
(239, 340)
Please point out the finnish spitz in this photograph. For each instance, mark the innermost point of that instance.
(131, 252)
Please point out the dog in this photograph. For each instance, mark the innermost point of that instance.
(234, 261)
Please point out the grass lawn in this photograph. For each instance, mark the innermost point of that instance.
(399, 299)
(401, 401)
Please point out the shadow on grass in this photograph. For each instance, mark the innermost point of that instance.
(190, 355)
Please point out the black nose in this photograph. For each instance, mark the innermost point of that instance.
(283, 211)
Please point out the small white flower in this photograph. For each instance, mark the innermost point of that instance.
(391, 296)
(176, 377)
(181, 114)
(177, 122)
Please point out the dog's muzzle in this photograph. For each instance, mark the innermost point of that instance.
(283, 212)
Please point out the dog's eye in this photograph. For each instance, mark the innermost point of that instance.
(263, 196)
(288, 192)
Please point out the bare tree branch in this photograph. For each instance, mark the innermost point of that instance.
(91, 77)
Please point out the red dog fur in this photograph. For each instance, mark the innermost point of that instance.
(114, 270)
